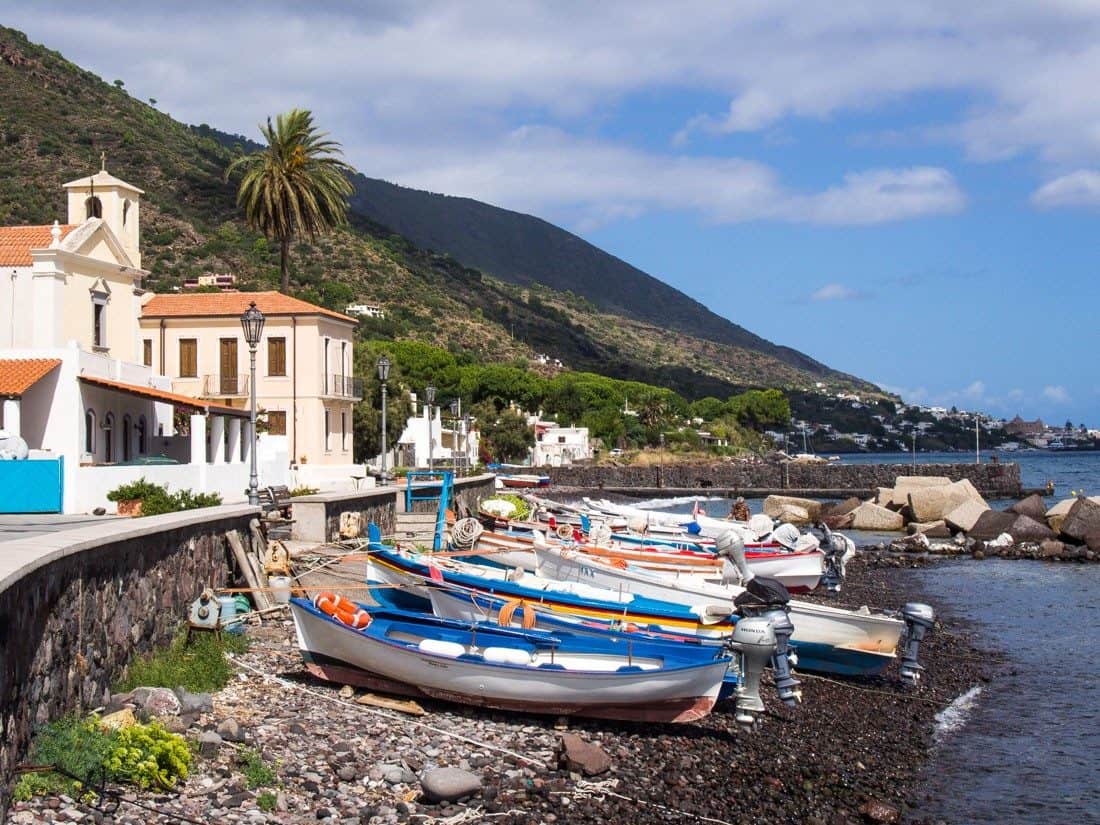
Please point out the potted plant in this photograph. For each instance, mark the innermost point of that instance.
(128, 497)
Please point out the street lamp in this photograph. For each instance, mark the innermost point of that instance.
(429, 394)
(252, 322)
(384, 376)
(456, 415)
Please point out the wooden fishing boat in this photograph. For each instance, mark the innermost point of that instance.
(534, 671)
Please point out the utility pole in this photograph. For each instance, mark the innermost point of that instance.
(977, 439)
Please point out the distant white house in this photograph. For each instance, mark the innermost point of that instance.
(449, 441)
(557, 446)
(366, 310)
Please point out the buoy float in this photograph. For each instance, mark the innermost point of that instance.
(343, 610)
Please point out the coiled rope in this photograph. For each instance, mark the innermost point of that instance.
(465, 533)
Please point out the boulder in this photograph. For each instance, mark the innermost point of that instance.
(231, 731)
(870, 516)
(209, 744)
(903, 485)
(991, 524)
(932, 529)
(1083, 518)
(449, 784)
(1092, 540)
(1057, 514)
(841, 522)
(1051, 548)
(1025, 528)
(1032, 506)
(930, 503)
(965, 516)
(792, 514)
(882, 498)
(194, 702)
(964, 490)
(161, 702)
(840, 508)
(583, 757)
(874, 810)
(773, 506)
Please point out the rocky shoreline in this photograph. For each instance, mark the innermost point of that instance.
(851, 753)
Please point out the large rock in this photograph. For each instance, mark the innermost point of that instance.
(1057, 514)
(991, 524)
(932, 529)
(583, 757)
(840, 508)
(1032, 506)
(841, 522)
(1092, 540)
(903, 485)
(930, 503)
(773, 506)
(870, 516)
(449, 784)
(965, 516)
(792, 514)
(1083, 518)
(882, 498)
(1025, 528)
(1051, 548)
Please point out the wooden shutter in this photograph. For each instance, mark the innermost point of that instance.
(276, 356)
(276, 422)
(189, 358)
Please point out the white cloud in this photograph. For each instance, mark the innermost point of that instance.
(1080, 188)
(836, 292)
(449, 81)
(1057, 394)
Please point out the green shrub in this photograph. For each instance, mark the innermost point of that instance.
(147, 756)
(199, 665)
(257, 773)
(304, 491)
(156, 500)
(266, 801)
(523, 509)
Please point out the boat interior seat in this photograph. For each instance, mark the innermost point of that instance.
(629, 669)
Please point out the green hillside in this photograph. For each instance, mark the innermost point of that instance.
(56, 119)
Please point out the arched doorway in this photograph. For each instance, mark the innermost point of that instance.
(127, 438)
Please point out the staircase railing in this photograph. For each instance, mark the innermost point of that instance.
(443, 482)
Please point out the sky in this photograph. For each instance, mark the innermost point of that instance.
(906, 192)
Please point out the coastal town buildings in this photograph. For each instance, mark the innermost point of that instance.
(427, 435)
(76, 384)
(304, 381)
(557, 446)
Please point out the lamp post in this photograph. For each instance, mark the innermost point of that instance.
(252, 322)
(429, 394)
(456, 415)
(384, 376)
(977, 439)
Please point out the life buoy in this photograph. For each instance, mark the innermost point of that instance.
(343, 610)
(508, 611)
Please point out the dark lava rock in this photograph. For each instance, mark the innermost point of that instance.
(841, 508)
(1032, 506)
(1082, 519)
(991, 524)
(1051, 548)
(449, 784)
(1025, 528)
(578, 755)
(1092, 540)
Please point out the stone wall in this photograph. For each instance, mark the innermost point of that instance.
(468, 494)
(317, 517)
(996, 480)
(76, 605)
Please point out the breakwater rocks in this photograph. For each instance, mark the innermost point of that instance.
(992, 480)
(849, 754)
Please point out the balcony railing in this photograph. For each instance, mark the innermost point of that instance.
(344, 386)
(224, 386)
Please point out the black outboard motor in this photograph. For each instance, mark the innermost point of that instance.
(919, 619)
(767, 598)
(838, 550)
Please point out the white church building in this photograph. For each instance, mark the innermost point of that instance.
(73, 381)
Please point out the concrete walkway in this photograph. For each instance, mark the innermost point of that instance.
(23, 526)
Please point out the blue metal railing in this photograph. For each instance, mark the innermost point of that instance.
(435, 486)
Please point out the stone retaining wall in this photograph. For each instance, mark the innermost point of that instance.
(76, 605)
(468, 494)
(994, 480)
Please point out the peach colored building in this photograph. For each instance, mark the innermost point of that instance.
(304, 380)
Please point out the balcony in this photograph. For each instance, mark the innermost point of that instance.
(343, 386)
(224, 386)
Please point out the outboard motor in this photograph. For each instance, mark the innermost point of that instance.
(753, 641)
(765, 598)
(919, 619)
(839, 549)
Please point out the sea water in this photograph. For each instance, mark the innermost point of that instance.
(1024, 747)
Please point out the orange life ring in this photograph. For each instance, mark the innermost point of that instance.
(343, 610)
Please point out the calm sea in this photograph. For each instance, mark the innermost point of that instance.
(1024, 748)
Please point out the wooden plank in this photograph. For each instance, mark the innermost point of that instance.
(403, 705)
(262, 600)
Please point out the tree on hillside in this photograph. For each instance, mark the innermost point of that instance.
(505, 436)
(298, 185)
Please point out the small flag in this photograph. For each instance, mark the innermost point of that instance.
(435, 573)
(553, 522)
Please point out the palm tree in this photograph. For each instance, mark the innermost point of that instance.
(297, 185)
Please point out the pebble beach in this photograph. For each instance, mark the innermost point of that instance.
(852, 752)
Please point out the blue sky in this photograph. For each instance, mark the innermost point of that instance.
(907, 193)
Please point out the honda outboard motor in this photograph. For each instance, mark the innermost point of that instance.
(767, 598)
(919, 619)
(753, 641)
(839, 549)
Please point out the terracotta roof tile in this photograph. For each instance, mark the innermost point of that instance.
(153, 394)
(16, 242)
(17, 375)
(232, 303)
